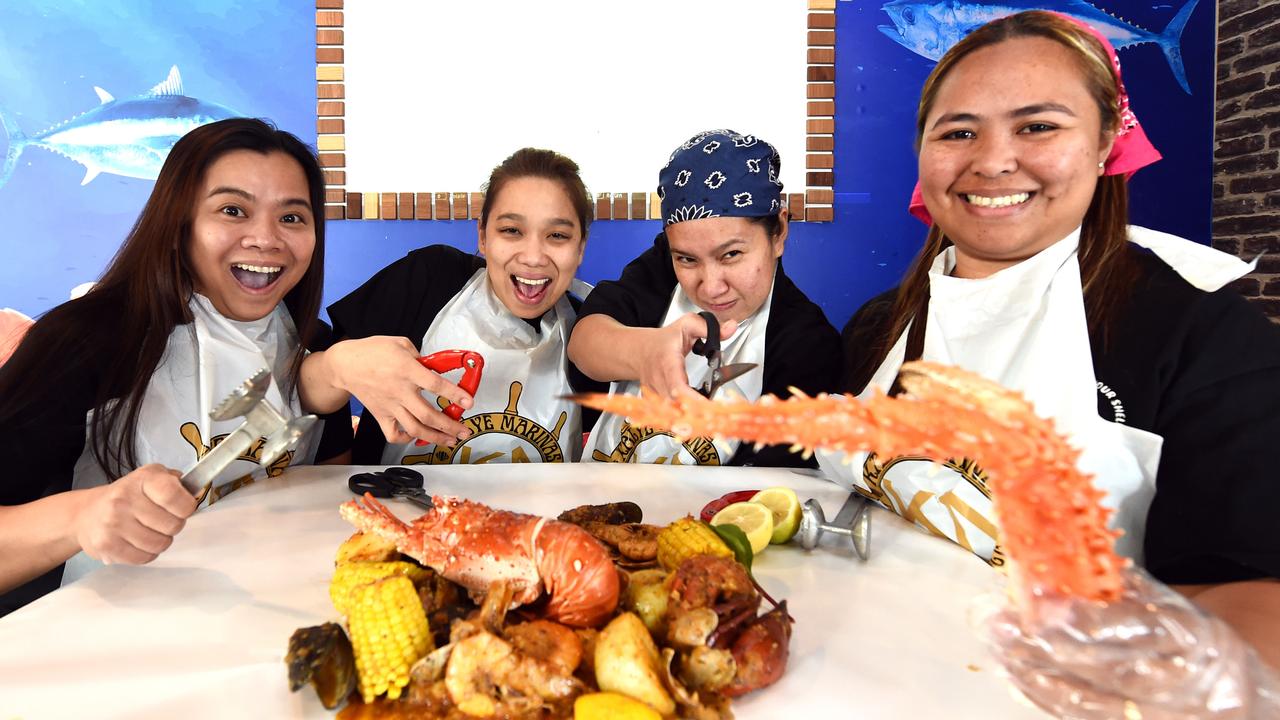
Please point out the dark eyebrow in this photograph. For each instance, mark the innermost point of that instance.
(966, 117)
(561, 221)
(288, 202)
(722, 247)
(514, 217)
(1042, 108)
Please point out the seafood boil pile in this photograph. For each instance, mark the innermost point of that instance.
(1052, 524)
(475, 612)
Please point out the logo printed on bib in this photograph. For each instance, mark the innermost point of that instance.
(880, 488)
(631, 436)
(544, 442)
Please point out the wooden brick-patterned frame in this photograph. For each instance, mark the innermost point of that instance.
(814, 204)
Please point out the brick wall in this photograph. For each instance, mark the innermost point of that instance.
(1246, 169)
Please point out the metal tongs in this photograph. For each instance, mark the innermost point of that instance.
(261, 420)
(853, 521)
(710, 349)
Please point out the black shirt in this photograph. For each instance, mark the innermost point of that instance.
(801, 350)
(403, 300)
(1202, 370)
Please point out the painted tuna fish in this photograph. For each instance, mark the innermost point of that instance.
(122, 137)
(931, 28)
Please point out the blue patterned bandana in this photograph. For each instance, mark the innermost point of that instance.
(719, 173)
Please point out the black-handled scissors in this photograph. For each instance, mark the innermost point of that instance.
(720, 373)
(392, 482)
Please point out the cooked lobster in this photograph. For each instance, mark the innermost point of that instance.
(475, 545)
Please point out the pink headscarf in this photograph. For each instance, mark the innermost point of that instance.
(1130, 152)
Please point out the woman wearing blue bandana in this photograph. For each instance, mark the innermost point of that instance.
(725, 228)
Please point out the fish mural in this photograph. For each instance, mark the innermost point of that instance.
(930, 29)
(121, 137)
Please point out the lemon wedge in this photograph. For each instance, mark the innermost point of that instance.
(753, 519)
(785, 507)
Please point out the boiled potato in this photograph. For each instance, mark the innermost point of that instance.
(647, 597)
(366, 547)
(611, 706)
(627, 663)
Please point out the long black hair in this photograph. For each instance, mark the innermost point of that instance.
(145, 293)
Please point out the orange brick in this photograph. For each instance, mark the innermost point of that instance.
(822, 90)
(619, 206)
(328, 4)
(819, 196)
(795, 205)
(328, 18)
(328, 160)
(820, 161)
(442, 210)
(822, 20)
(355, 206)
(460, 206)
(822, 38)
(335, 177)
(822, 73)
(819, 214)
(822, 55)
(335, 195)
(822, 108)
(820, 143)
(820, 179)
(405, 203)
(331, 108)
(334, 212)
(639, 205)
(328, 37)
(477, 204)
(330, 126)
(825, 126)
(387, 203)
(422, 206)
(604, 207)
(331, 91)
(329, 55)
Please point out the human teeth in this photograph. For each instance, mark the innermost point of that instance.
(527, 281)
(256, 268)
(1002, 201)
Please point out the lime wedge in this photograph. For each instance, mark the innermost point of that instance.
(785, 508)
(753, 519)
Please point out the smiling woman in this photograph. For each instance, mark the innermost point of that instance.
(107, 398)
(511, 304)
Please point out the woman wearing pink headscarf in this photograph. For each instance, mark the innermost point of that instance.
(1032, 276)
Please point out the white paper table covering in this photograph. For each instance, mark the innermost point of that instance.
(202, 631)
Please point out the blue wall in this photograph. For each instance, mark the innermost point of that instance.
(258, 58)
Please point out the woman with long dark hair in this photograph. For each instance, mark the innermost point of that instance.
(107, 397)
(1032, 276)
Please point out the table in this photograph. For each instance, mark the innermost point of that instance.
(202, 631)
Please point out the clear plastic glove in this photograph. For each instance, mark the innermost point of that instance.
(1151, 655)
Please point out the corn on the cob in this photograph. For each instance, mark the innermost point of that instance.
(366, 547)
(685, 538)
(349, 576)
(389, 634)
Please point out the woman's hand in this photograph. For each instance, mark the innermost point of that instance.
(135, 518)
(1150, 654)
(662, 362)
(384, 374)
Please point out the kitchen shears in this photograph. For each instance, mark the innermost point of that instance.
(392, 482)
(710, 349)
